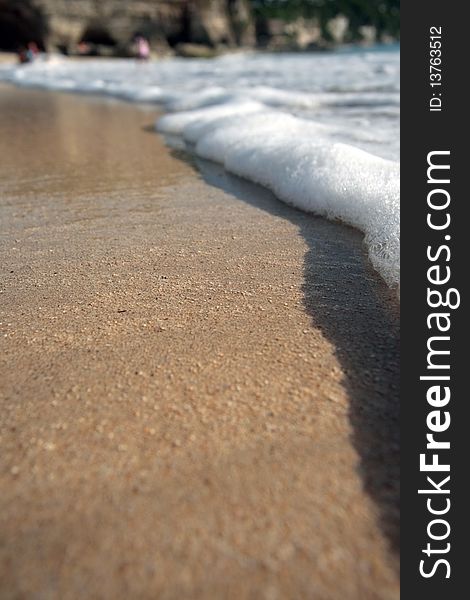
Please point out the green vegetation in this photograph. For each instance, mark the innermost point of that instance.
(384, 15)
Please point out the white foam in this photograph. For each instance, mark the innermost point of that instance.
(176, 123)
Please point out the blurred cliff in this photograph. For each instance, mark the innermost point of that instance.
(195, 27)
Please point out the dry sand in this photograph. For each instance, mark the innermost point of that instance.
(8, 58)
(199, 385)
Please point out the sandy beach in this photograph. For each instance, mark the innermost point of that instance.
(199, 384)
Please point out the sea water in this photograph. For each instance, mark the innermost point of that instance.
(321, 130)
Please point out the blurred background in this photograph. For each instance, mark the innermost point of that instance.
(194, 27)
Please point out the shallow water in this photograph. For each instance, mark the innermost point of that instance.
(355, 93)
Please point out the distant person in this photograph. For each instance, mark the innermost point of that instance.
(22, 55)
(84, 49)
(28, 54)
(32, 52)
(143, 48)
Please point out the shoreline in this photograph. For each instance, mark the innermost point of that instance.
(202, 395)
(11, 57)
(370, 207)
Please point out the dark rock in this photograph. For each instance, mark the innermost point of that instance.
(63, 24)
(21, 22)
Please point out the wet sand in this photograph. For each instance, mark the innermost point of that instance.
(199, 385)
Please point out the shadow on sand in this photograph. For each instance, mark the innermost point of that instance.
(359, 315)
